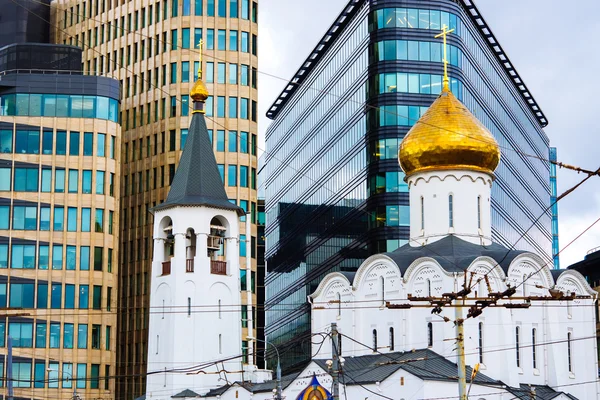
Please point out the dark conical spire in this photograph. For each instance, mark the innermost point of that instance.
(197, 181)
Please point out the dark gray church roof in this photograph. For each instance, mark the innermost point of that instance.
(524, 392)
(185, 394)
(453, 254)
(197, 181)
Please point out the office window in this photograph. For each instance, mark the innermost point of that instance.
(26, 142)
(210, 8)
(71, 258)
(74, 143)
(244, 142)
(174, 6)
(221, 39)
(73, 181)
(42, 295)
(97, 298)
(245, 9)
(232, 175)
(185, 38)
(54, 335)
(56, 296)
(69, 296)
(99, 182)
(82, 332)
(186, 7)
(198, 7)
(24, 218)
(99, 224)
(232, 148)
(40, 335)
(244, 75)
(245, 45)
(185, 71)
(57, 256)
(6, 141)
(84, 297)
(81, 369)
(98, 252)
(71, 219)
(21, 334)
(88, 144)
(220, 140)
(22, 373)
(86, 182)
(22, 257)
(3, 259)
(96, 336)
(210, 39)
(233, 107)
(221, 106)
(26, 180)
(46, 186)
(243, 108)
(95, 376)
(107, 338)
(243, 176)
(84, 258)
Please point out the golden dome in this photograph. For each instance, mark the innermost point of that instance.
(448, 136)
(199, 91)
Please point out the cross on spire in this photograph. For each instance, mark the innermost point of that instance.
(444, 34)
(200, 45)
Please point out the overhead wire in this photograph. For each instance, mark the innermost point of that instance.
(366, 212)
(213, 56)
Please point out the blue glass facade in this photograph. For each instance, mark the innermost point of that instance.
(553, 194)
(340, 197)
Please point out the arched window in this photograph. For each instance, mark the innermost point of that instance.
(422, 213)
(391, 339)
(451, 211)
(429, 334)
(428, 282)
(481, 342)
(374, 339)
(517, 347)
(569, 348)
(479, 212)
(189, 306)
(533, 347)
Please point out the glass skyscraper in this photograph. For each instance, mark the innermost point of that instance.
(335, 193)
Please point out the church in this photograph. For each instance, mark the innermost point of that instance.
(391, 329)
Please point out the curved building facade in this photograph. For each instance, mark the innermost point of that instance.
(59, 223)
(151, 47)
(344, 197)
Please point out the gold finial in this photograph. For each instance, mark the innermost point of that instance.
(199, 92)
(444, 34)
(200, 45)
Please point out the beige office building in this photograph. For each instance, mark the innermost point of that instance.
(150, 46)
(59, 219)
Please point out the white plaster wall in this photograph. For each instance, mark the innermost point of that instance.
(178, 339)
(435, 188)
(361, 311)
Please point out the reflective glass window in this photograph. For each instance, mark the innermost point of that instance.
(88, 144)
(86, 182)
(6, 141)
(44, 218)
(74, 143)
(23, 256)
(82, 332)
(84, 258)
(40, 335)
(72, 219)
(71, 257)
(68, 335)
(21, 334)
(5, 179)
(86, 219)
(57, 256)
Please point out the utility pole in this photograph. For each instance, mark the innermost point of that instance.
(335, 366)
(460, 347)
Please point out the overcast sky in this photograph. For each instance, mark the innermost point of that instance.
(553, 44)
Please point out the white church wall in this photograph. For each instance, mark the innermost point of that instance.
(552, 321)
(465, 187)
(200, 319)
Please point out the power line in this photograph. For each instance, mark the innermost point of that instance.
(194, 51)
(321, 185)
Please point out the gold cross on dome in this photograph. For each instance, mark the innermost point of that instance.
(444, 34)
(200, 46)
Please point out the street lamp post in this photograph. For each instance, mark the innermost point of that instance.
(278, 391)
(75, 396)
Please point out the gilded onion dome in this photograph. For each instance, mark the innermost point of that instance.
(199, 91)
(448, 136)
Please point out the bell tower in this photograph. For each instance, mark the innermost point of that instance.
(195, 285)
